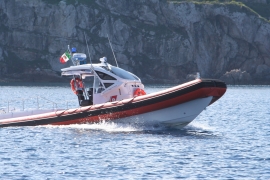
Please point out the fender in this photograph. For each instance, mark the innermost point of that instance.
(139, 92)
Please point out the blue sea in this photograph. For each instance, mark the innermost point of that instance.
(228, 140)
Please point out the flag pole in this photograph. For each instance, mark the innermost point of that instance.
(71, 55)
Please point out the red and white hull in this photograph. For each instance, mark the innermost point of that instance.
(175, 107)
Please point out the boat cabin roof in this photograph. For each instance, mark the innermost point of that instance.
(104, 70)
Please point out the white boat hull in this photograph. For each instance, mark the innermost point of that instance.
(176, 116)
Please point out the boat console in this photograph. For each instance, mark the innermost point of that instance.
(103, 82)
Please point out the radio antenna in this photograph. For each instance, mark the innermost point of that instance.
(87, 48)
(112, 51)
(94, 72)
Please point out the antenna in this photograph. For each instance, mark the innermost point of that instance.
(87, 48)
(94, 72)
(71, 54)
(112, 50)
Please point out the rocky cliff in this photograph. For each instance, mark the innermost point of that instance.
(158, 40)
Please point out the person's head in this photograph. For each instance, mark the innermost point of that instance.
(77, 77)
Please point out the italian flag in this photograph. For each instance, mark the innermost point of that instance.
(65, 57)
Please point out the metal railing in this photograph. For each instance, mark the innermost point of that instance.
(20, 104)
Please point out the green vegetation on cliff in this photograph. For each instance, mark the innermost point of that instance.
(260, 8)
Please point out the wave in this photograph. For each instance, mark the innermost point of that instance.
(111, 127)
(103, 126)
(200, 126)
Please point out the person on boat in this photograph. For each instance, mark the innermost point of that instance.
(77, 87)
(90, 94)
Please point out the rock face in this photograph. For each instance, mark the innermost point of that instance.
(159, 41)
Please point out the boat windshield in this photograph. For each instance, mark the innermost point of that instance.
(123, 74)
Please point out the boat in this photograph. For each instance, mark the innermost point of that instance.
(111, 93)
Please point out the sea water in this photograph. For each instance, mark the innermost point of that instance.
(228, 140)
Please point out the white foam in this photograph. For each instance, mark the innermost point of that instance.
(202, 126)
(104, 126)
(125, 127)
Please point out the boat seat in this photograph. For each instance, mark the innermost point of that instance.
(80, 95)
(90, 92)
(86, 103)
(100, 89)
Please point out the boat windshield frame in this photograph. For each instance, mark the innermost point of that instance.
(106, 67)
(119, 72)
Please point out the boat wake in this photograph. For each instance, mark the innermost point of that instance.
(106, 126)
(200, 126)
(116, 127)
(101, 126)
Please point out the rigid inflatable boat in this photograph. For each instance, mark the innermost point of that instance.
(113, 94)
